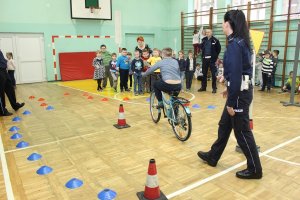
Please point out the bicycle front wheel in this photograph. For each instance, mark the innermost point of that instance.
(182, 124)
(154, 111)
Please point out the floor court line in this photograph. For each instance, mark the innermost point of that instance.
(282, 160)
(115, 96)
(210, 178)
(7, 182)
(56, 141)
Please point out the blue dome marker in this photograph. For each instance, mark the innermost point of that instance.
(26, 112)
(74, 183)
(107, 194)
(16, 136)
(211, 107)
(197, 106)
(50, 108)
(34, 157)
(22, 144)
(148, 99)
(14, 129)
(44, 170)
(16, 119)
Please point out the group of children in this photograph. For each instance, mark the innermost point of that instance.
(126, 68)
(267, 66)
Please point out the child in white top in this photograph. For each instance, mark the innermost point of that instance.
(198, 72)
(11, 67)
(197, 39)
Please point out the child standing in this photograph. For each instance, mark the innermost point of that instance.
(152, 61)
(182, 66)
(114, 71)
(11, 67)
(123, 65)
(137, 66)
(146, 79)
(129, 55)
(196, 38)
(99, 72)
(190, 70)
(275, 54)
(267, 71)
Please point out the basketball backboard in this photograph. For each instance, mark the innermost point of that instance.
(91, 9)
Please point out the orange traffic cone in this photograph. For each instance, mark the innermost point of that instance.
(152, 191)
(121, 120)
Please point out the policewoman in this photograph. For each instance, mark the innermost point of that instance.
(239, 94)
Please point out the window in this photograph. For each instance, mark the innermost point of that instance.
(295, 8)
(204, 5)
(258, 10)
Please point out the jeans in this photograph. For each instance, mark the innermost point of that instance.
(115, 79)
(138, 86)
(160, 85)
(107, 76)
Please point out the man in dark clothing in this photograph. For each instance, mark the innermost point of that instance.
(7, 87)
(211, 49)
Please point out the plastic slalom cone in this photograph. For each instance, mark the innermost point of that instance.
(152, 191)
(121, 120)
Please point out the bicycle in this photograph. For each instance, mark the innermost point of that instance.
(176, 110)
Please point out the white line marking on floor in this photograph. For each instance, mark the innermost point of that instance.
(8, 187)
(281, 160)
(210, 178)
(115, 96)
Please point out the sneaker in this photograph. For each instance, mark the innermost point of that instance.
(214, 91)
(127, 90)
(136, 94)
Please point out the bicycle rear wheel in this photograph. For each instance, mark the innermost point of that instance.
(155, 113)
(182, 126)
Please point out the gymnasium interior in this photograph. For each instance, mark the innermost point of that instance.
(63, 144)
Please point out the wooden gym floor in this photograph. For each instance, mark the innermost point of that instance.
(78, 140)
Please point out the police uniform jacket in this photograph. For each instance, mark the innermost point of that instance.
(237, 62)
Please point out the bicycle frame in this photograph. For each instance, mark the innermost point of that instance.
(168, 106)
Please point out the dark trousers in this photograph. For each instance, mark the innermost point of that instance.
(273, 80)
(124, 79)
(160, 85)
(267, 81)
(99, 84)
(11, 74)
(244, 136)
(199, 78)
(206, 63)
(107, 76)
(189, 79)
(6, 87)
(130, 80)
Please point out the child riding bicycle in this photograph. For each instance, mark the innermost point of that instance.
(170, 74)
